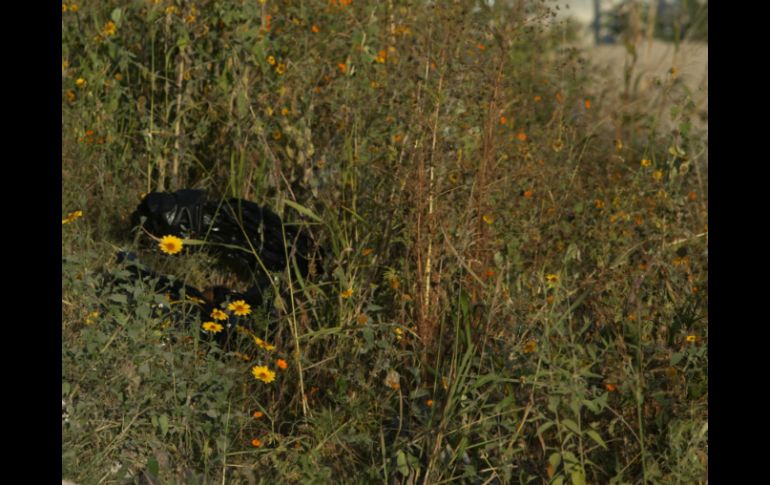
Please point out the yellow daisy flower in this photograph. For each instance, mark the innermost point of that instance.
(347, 293)
(212, 327)
(218, 314)
(170, 244)
(91, 317)
(81, 83)
(646, 162)
(262, 373)
(691, 338)
(261, 343)
(488, 218)
(72, 216)
(239, 307)
(271, 60)
(109, 29)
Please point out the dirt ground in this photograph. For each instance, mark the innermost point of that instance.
(655, 61)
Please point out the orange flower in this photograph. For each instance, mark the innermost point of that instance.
(366, 251)
(429, 403)
(503, 120)
(315, 29)
(281, 364)
(528, 193)
(343, 67)
(522, 136)
(538, 98)
(258, 414)
(256, 442)
(611, 387)
(588, 104)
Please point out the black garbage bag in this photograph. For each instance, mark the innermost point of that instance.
(257, 232)
(189, 305)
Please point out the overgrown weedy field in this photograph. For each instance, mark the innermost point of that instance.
(514, 281)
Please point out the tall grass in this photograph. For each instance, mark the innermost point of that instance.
(515, 273)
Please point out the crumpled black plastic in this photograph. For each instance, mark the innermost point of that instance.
(200, 303)
(256, 229)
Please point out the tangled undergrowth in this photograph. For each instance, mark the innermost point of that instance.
(514, 285)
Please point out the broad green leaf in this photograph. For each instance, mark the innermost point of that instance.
(578, 478)
(152, 467)
(595, 436)
(544, 427)
(163, 424)
(555, 460)
(116, 15)
(403, 468)
(572, 426)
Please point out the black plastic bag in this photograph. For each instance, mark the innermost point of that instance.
(254, 233)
